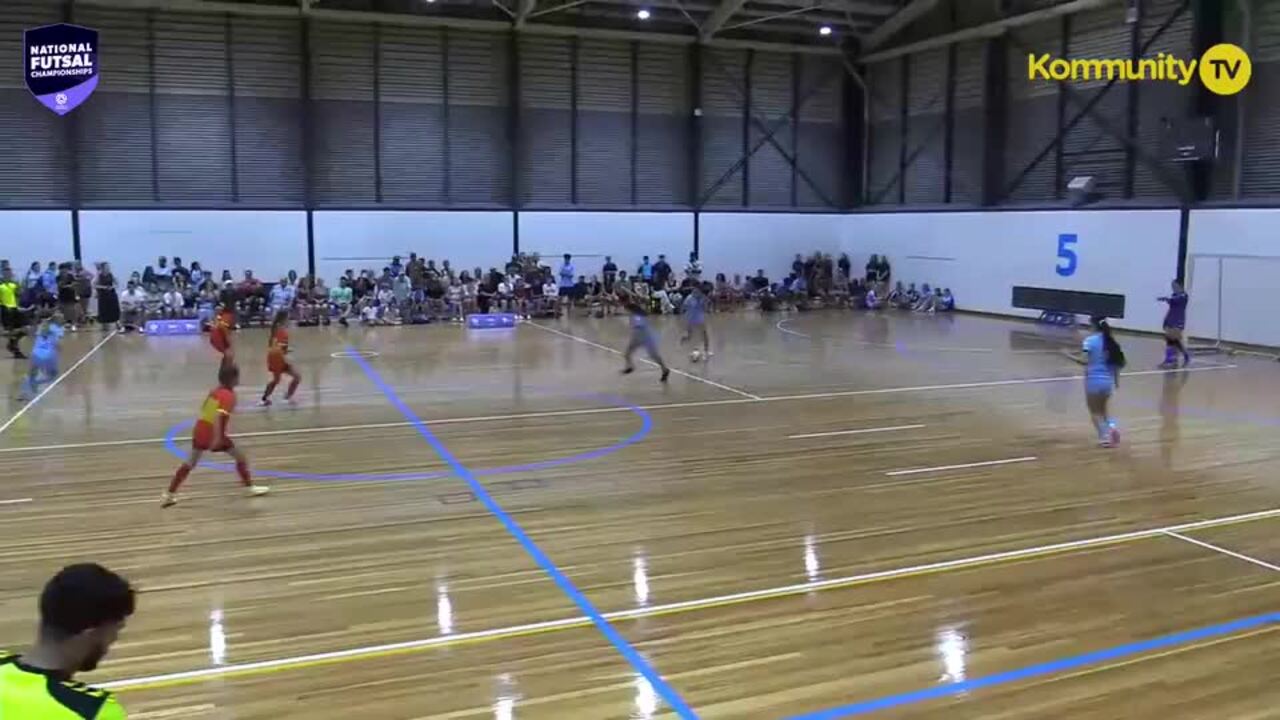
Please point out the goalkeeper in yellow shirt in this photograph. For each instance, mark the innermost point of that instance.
(82, 611)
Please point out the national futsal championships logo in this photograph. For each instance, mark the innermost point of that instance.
(60, 64)
(1224, 69)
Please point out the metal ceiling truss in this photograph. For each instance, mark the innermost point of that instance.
(768, 135)
(987, 31)
(306, 9)
(1088, 108)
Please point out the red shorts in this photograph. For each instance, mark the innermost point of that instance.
(218, 339)
(277, 365)
(203, 441)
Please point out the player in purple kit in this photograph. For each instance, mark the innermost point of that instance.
(1175, 321)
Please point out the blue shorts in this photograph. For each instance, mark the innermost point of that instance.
(1098, 386)
(46, 364)
(643, 338)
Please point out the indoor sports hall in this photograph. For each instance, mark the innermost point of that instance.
(595, 359)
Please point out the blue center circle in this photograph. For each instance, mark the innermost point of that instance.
(646, 425)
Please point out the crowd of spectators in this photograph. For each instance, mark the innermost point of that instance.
(417, 290)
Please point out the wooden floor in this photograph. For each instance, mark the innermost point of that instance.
(839, 515)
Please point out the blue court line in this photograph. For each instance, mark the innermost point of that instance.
(646, 426)
(1052, 667)
(637, 661)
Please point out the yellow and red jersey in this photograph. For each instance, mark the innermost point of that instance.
(279, 346)
(215, 412)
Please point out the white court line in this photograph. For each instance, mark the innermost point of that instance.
(17, 501)
(681, 373)
(689, 605)
(861, 431)
(1224, 551)
(23, 410)
(619, 409)
(940, 468)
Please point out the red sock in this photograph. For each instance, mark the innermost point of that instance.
(293, 387)
(271, 387)
(242, 469)
(179, 477)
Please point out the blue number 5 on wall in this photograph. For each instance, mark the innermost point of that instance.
(1065, 253)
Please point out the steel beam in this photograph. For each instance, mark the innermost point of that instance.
(897, 22)
(523, 12)
(719, 17)
(406, 20)
(990, 30)
(1087, 109)
(768, 137)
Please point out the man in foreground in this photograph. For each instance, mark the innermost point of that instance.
(82, 611)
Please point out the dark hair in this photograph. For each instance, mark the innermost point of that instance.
(228, 374)
(1115, 355)
(84, 596)
(280, 318)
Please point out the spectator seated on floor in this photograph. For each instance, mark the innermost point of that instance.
(768, 298)
(251, 300)
(926, 301)
(172, 305)
(872, 300)
(840, 290)
(206, 302)
(896, 297)
(858, 294)
(946, 302)
(133, 307)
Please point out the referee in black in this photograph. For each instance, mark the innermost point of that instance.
(11, 316)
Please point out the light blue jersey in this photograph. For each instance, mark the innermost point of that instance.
(45, 346)
(1098, 373)
(695, 309)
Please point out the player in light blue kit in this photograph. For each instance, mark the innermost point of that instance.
(44, 355)
(641, 335)
(1103, 362)
(695, 317)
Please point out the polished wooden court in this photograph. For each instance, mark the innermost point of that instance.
(837, 509)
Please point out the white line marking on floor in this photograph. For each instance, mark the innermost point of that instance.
(619, 409)
(23, 410)
(681, 373)
(962, 466)
(16, 501)
(1224, 551)
(860, 431)
(688, 605)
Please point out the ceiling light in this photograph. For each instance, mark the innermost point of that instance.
(643, 14)
(825, 30)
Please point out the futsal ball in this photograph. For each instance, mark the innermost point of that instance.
(696, 355)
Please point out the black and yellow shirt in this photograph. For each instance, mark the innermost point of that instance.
(8, 294)
(27, 693)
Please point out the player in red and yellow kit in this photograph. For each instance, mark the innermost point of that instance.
(277, 362)
(210, 435)
(220, 334)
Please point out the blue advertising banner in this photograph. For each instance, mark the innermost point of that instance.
(60, 63)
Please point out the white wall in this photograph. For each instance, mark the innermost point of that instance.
(369, 239)
(741, 243)
(28, 236)
(269, 243)
(1245, 244)
(591, 236)
(982, 255)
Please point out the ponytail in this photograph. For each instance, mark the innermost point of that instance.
(1115, 355)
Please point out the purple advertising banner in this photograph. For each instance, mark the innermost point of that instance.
(60, 64)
